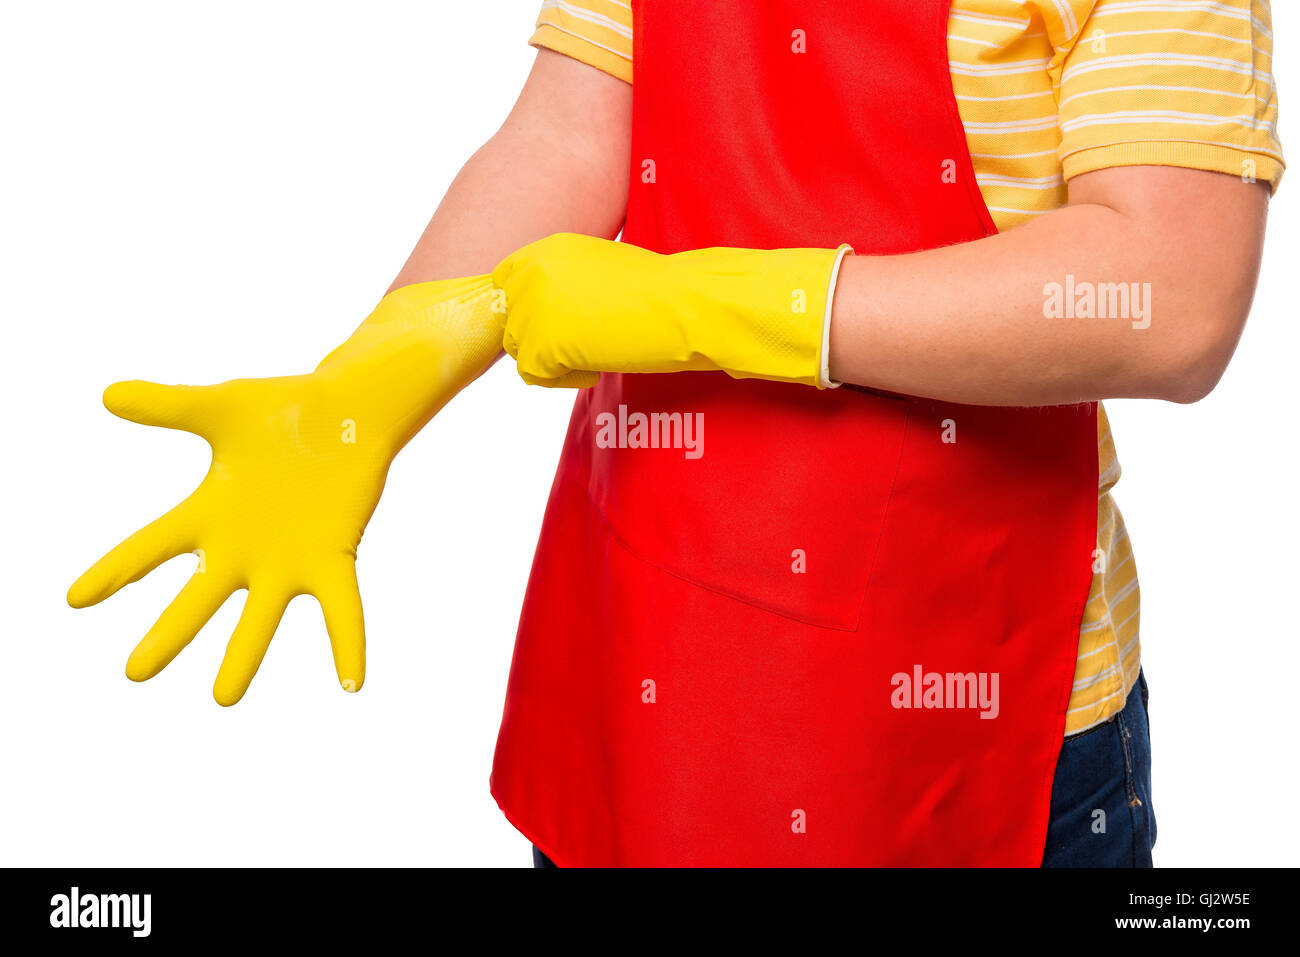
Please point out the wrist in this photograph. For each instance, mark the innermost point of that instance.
(785, 299)
(420, 346)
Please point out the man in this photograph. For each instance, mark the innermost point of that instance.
(840, 605)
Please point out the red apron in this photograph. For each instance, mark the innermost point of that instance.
(841, 629)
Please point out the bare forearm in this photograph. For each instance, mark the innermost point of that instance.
(978, 322)
(558, 164)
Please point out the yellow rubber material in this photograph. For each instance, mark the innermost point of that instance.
(298, 465)
(577, 306)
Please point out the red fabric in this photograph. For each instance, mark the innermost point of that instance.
(772, 735)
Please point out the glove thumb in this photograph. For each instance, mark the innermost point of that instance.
(166, 406)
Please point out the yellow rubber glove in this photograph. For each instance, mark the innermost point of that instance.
(298, 465)
(577, 306)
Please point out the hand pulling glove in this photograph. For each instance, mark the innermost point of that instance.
(577, 306)
(298, 465)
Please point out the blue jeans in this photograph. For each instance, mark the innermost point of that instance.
(1101, 795)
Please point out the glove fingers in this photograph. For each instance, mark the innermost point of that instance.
(262, 613)
(570, 380)
(164, 538)
(152, 403)
(340, 600)
(176, 627)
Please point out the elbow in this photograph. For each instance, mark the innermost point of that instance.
(1194, 368)
(1191, 380)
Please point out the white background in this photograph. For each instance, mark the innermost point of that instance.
(197, 192)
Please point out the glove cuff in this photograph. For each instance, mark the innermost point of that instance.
(824, 380)
(461, 311)
(422, 344)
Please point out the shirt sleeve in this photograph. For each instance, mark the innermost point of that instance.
(1187, 83)
(597, 32)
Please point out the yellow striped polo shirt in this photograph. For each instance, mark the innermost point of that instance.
(1049, 89)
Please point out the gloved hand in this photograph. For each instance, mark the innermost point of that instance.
(577, 306)
(298, 465)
